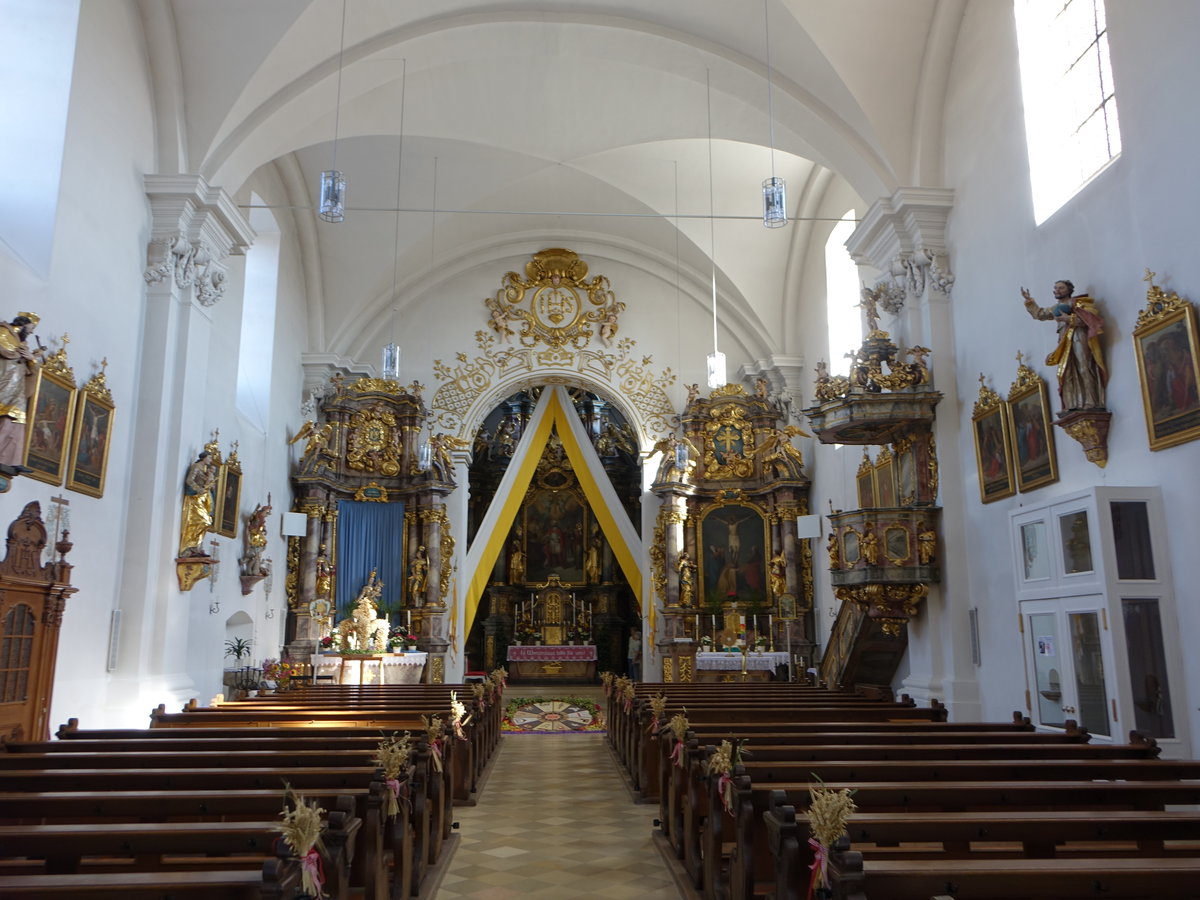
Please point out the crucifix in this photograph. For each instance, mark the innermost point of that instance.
(62, 522)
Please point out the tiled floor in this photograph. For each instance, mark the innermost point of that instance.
(555, 819)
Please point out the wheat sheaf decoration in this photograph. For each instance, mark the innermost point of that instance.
(658, 708)
(458, 716)
(435, 730)
(828, 812)
(721, 764)
(300, 828)
(679, 728)
(392, 756)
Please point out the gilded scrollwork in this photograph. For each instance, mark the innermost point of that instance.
(728, 443)
(563, 305)
(658, 555)
(372, 444)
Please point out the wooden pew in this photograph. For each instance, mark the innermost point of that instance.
(1143, 878)
(750, 863)
(93, 792)
(271, 875)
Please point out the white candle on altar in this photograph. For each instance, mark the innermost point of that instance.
(714, 625)
(408, 619)
(697, 626)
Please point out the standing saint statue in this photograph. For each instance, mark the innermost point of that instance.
(199, 496)
(18, 371)
(777, 574)
(418, 574)
(1079, 358)
(687, 579)
(591, 561)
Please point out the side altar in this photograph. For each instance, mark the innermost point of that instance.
(380, 668)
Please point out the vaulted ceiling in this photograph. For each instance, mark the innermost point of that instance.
(493, 124)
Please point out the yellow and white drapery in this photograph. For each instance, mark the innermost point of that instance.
(554, 411)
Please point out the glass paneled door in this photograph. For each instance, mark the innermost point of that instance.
(1068, 649)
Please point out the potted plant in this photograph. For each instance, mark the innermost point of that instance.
(328, 644)
(238, 677)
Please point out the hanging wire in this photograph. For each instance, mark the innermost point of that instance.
(337, 109)
(712, 228)
(770, 103)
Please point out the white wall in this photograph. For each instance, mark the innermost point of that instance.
(1134, 215)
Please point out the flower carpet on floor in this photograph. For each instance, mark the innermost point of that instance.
(542, 715)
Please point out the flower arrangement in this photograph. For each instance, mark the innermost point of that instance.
(279, 671)
(706, 641)
(526, 633)
(328, 642)
(760, 642)
(400, 636)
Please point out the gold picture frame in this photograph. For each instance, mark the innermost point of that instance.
(885, 479)
(229, 497)
(48, 420)
(993, 461)
(1169, 368)
(91, 437)
(1034, 459)
(865, 479)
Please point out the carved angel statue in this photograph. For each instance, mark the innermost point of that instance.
(316, 437)
(779, 457)
(676, 461)
(608, 329)
(442, 462)
(499, 324)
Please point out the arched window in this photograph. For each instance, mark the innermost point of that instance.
(1071, 125)
(843, 318)
(256, 350)
(35, 92)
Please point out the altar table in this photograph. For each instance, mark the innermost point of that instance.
(728, 666)
(552, 662)
(382, 668)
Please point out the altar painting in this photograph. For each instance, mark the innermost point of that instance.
(554, 536)
(733, 561)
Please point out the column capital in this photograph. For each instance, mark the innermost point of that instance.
(194, 228)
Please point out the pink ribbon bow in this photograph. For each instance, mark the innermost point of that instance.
(313, 871)
(725, 789)
(653, 726)
(628, 704)
(676, 754)
(819, 867)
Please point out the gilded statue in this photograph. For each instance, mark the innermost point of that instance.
(316, 438)
(1079, 357)
(927, 546)
(516, 564)
(199, 497)
(777, 574)
(834, 550)
(868, 544)
(591, 561)
(324, 583)
(18, 368)
(256, 540)
(418, 576)
(687, 579)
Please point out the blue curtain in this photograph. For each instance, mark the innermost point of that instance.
(370, 536)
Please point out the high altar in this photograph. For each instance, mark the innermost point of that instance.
(560, 630)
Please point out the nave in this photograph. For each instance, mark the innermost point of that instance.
(555, 819)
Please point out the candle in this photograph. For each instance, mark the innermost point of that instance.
(408, 619)
(697, 626)
(771, 632)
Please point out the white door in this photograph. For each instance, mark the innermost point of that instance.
(1069, 649)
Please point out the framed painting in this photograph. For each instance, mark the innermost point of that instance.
(50, 414)
(229, 498)
(733, 564)
(866, 483)
(90, 439)
(1028, 408)
(992, 458)
(554, 536)
(885, 479)
(1169, 369)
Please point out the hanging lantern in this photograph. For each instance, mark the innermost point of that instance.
(774, 202)
(716, 369)
(333, 196)
(391, 362)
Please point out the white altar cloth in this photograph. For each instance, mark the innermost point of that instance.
(732, 662)
(396, 668)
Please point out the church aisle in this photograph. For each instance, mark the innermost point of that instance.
(555, 820)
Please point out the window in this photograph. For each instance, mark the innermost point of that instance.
(1070, 106)
(258, 318)
(841, 297)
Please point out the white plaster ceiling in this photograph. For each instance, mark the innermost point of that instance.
(593, 113)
